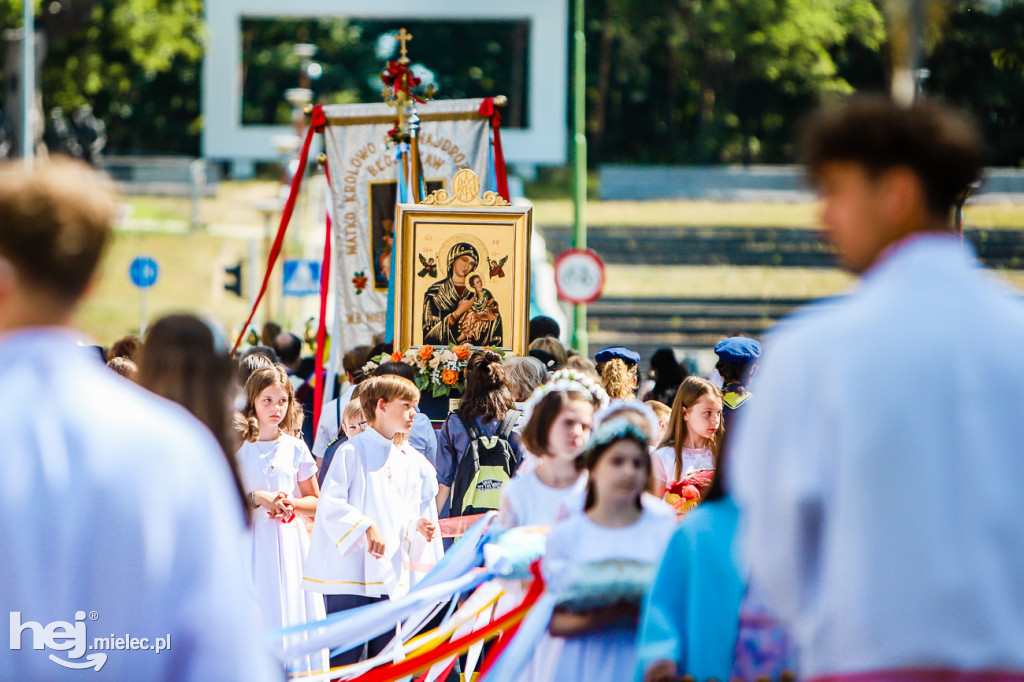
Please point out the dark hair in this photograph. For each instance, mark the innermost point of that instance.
(554, 347)
(252, 360)
(289, 347)
(125, 347)
(269, 334)
(593, 455)
(486, 395)
(545, 412)
(354, 359)
(262, 350)
(734, 372)
(399, 369)
(940, 145)
(665, 369)
(380, 349)
(542, 325)
(183, 360)
(475, 276)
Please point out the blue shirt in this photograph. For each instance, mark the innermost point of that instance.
(452, 441)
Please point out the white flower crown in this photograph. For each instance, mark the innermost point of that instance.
(614, 429)
(616, 406)
(562, 381)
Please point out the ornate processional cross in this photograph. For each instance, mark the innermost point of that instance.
(404, 37)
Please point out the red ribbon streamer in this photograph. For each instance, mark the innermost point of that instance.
(321, 331)
(316, 124)
(411, 666)
(487, 108)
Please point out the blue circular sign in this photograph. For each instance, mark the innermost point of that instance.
(143, 272)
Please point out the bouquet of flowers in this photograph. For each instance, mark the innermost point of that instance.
(684, 495)
(438, 370)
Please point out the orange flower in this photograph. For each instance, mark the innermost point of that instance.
(461, 352)
(425, 352)
(396, 357)
(449, 377)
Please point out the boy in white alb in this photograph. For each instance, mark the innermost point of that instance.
(375, 532)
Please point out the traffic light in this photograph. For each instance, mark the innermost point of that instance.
(233, 279)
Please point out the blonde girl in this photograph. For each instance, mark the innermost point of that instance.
(694, 433)
(279, 475)
(617, 367)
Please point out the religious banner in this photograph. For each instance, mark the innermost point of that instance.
(367, 179)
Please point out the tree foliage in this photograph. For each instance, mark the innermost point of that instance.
(136, 62)
(979, 65)
(668, 81)
(704, 81)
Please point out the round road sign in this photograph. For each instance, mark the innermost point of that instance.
(579, 276)
(143, 272)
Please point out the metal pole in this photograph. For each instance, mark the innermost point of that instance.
(579, 160)
(143, 312)
(28, 83)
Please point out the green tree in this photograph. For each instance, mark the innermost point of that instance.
(978, 64)
(725, 77)
(134, 61)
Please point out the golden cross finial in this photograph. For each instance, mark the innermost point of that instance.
(404, 37)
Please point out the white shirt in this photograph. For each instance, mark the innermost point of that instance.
(871, 534)
(329, 424)
(663, 462)
(120, 506)
(373, 481)
(527, 501)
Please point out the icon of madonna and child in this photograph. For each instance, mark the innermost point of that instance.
(458, 309)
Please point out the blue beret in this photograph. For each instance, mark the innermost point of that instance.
(630, 357)
(738, 349)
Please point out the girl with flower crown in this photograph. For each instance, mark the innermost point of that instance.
(614, 528)
(560, 416)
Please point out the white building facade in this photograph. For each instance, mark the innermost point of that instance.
(542, 142)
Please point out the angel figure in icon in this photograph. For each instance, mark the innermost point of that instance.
(429, 268)
(497, 267)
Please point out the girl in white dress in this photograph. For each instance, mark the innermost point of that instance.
(556, 432)
(599, 642)
(694, 432)
(279, 475)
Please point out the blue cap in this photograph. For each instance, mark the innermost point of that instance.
(738, 349)
(630, 357)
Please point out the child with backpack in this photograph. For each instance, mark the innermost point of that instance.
(376, 527)
(477, 452)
